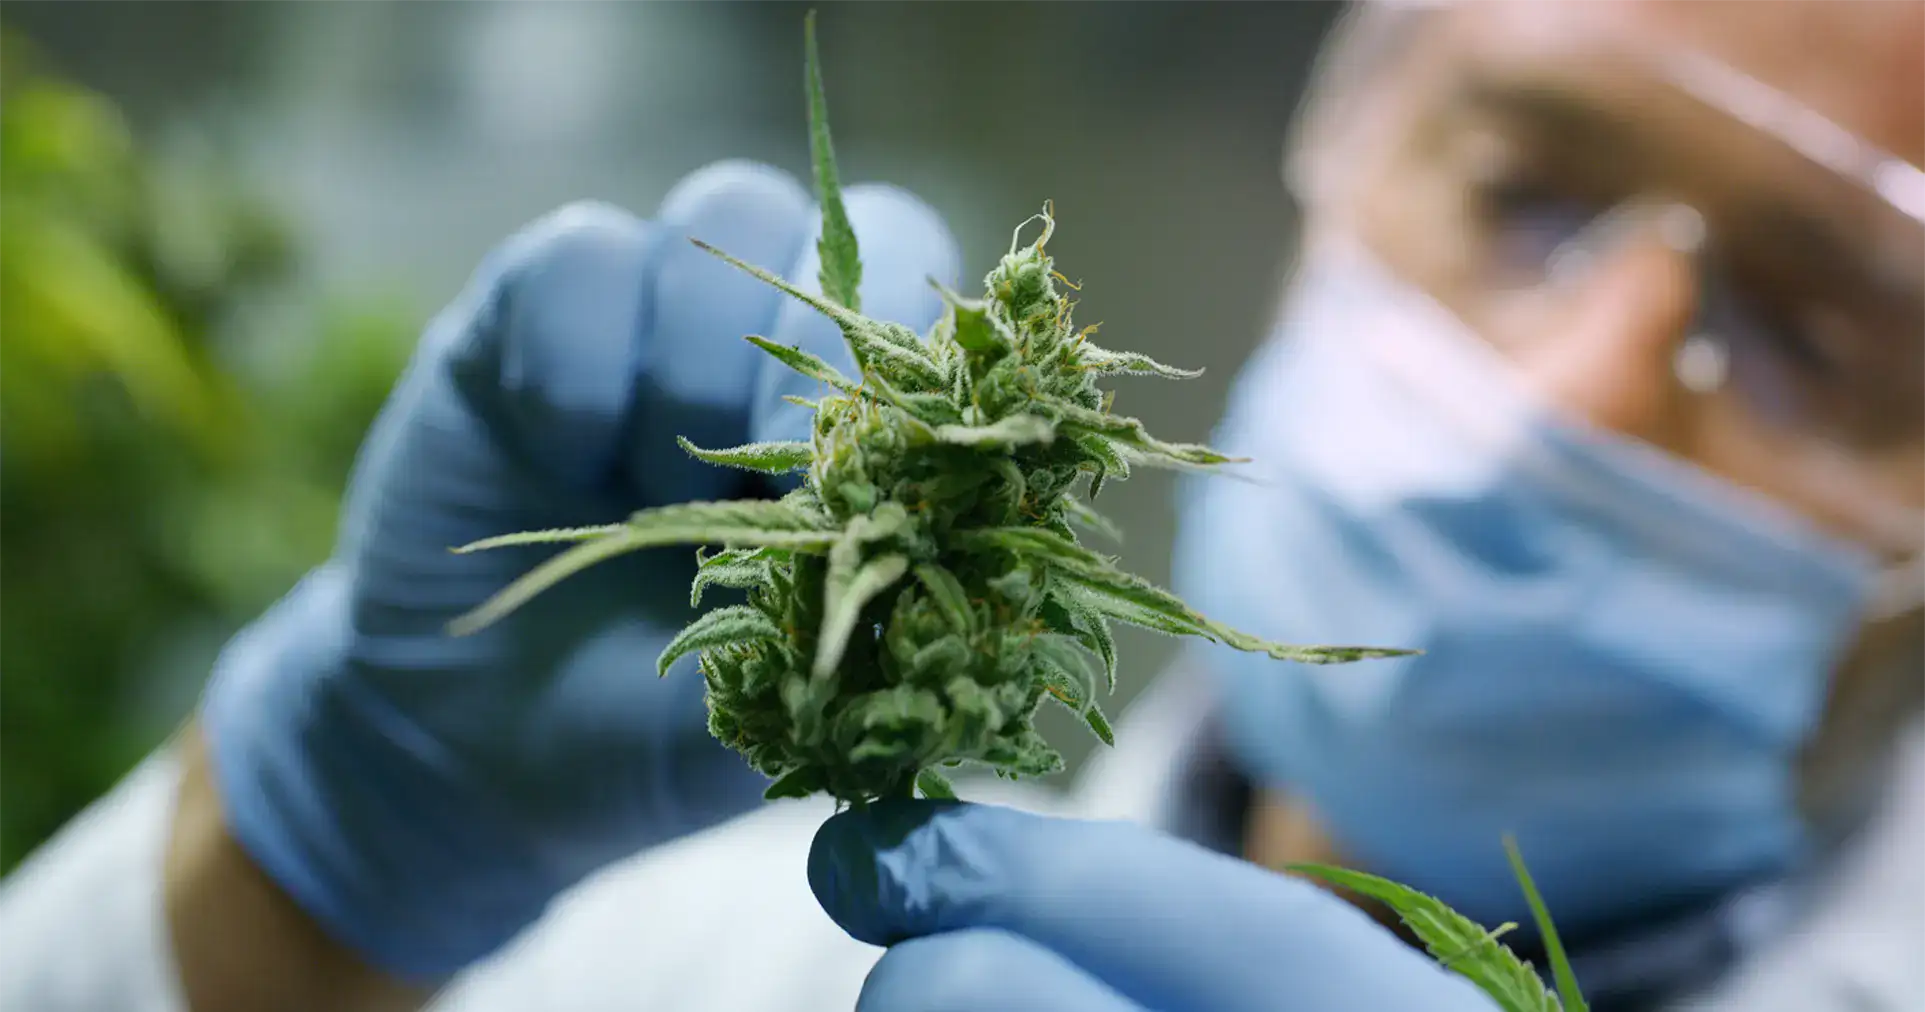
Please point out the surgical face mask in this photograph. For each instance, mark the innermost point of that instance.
(1622, 655)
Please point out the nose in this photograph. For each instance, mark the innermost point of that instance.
(1614, 325)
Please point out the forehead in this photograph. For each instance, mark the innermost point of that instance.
(1860, 63)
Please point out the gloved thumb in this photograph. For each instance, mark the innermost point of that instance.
(1164, 922)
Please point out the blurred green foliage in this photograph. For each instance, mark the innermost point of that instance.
(167, 466)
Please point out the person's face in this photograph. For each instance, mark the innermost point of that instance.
(1508, 131)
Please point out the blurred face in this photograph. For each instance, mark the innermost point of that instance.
(1571, 180)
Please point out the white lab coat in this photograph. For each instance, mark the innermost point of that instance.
(725, 921)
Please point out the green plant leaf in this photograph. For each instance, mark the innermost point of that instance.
(549, 537)
(921, 411)
(1066, 677)
(1105, 461)
(1035, 542)
(1069, 615)
(742, 523)
(1099, 724)
(841, 272)
(975, 329)
(1457, 942)
(935, 785)
(1561, 971)
(1085, 516)
(948, 593)
(1067, 671)
(1129, 432)
(722, 627)
(1130, 605)
(797, 783)
(1130, 598)
(1015, 430)
(805, 363)
(767, 458)
(1105, 362)
(846, 596)
(738, 568)
(865, 337)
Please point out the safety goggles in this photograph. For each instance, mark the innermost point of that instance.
(1479, 164)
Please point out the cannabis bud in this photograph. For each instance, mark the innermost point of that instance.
(923, 592)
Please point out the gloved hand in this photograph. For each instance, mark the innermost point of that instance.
(985, 907)
(425, 796)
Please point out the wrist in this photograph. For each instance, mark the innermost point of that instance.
(354, 811)
(238, 940)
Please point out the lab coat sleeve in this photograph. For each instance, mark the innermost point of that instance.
(81, 923)
(1862, 947)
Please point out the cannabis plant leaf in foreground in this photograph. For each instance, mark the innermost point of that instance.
(922, 593)
(1468, 949)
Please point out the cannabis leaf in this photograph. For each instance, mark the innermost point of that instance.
(768, 458)
(841, 274)
(1553, 946)
(1457, 942)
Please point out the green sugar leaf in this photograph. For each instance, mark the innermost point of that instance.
(848, 592)
(767, 458)
(973, 327)
(1105, 461)
(1067, 671)
(1129, 432)
(544, 576)
(1015, 430)
(1037, 543)
(948, 593)
(797, 783)
(1085, 516)
(1099, 724)
(549, 537)
(731, 626)
(1457, 942)
(1132, 601)
(1553, 946)
(873, 344)
(752, 523)
(1105, 362)
(738, 568)
(805, 363)
(1066, 614)
(935, 785)
(841, 273)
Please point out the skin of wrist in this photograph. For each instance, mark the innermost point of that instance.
(238, 941)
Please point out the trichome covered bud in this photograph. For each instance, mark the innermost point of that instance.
(923, 592)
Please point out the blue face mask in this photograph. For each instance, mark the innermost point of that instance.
(1621, 654)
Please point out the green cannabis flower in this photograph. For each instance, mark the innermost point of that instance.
(915, 601)
(923, 592)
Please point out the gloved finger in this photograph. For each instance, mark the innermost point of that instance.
(592, 322)
(644, 767)
(1166, 923)
(521, 403)
(979, 969)
(904, 243)
(697, 375)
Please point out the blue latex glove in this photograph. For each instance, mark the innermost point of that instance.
(991, 908)
(424, 797)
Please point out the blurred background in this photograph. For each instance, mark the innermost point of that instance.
(223, 224)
